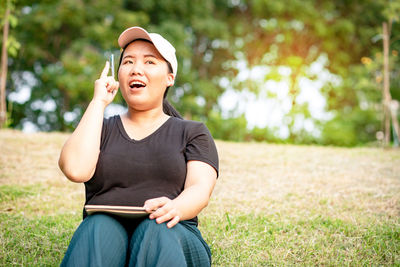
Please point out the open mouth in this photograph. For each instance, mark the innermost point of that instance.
(137, 84)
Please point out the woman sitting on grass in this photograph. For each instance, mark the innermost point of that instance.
(148, 157)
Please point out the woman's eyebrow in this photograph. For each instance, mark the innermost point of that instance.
(151, 55)
(147, 55)
(127, 56)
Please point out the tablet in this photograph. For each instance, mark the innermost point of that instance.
(122, 211)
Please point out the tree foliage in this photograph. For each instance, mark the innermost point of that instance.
(64, 44)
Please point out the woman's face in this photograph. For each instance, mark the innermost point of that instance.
(143, 76)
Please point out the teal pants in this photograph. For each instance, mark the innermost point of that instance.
(102, 240)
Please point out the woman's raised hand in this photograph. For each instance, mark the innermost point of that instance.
(105, 88)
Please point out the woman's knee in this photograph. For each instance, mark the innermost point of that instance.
(154, 243)
(99, 239)
(102, 221)
(104, 228)
(152, 225)
(151, 230)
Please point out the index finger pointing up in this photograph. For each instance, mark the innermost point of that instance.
(105, 70)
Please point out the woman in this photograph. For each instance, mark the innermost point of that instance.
(147, 157)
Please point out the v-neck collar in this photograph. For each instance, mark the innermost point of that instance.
(126, 136)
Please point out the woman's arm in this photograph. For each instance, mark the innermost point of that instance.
(80, 152)
(200, 182)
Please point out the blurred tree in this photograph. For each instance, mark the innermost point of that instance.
(357, 102)
(390, 107)
(9, 47)
(65, 44)
(279, 34)
(4, 59)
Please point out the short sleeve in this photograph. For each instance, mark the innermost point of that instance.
(201, 146)
(108, 125)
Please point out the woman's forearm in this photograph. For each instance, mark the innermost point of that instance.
(80, 153)
(200, 182)
(192, 200)
(184, 207)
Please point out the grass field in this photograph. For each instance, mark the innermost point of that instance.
(274, 205)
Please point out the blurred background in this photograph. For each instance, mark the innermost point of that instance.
(294, 71)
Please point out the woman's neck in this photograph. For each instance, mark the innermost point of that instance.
(140, 124)
(139, 117)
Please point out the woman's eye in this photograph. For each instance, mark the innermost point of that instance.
(128, 62)
(150, 62)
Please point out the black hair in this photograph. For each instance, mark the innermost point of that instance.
(167, 107)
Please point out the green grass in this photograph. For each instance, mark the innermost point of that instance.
(34, 241)
(273, 205)
(256, 240)
(13, 192)
(239, 240)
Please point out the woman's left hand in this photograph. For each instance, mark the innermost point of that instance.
(162, 210)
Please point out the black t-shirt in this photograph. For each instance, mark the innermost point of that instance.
(129, 172)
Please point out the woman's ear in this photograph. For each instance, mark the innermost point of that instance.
(170, 79)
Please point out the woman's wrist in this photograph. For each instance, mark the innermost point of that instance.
(98, 103)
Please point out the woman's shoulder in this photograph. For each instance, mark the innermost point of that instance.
(188, 125)
(110, 124)
(111, 121)
(190, 129)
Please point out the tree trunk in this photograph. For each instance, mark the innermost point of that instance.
(386, 83)
(390, 107)
(3, 77)
(394, 107)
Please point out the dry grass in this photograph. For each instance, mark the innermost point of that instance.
(287, 179)
(284, 187)
(32, 159)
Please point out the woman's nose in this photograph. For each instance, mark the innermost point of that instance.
(137, 69)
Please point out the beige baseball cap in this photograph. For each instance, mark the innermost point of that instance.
(164, 47)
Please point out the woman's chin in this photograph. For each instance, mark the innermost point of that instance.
(139, 103)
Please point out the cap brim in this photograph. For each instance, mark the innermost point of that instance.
(165, 48)
(132, 34)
